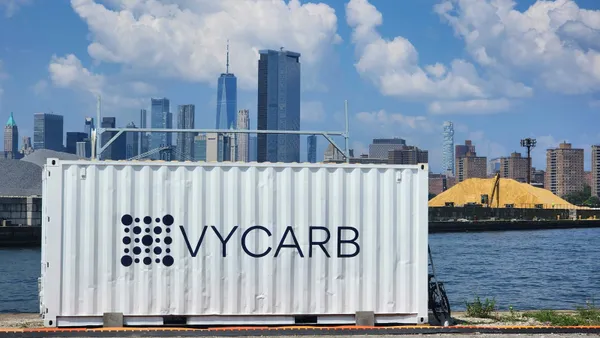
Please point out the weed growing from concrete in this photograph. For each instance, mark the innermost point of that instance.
(479, 309)
(588, 315)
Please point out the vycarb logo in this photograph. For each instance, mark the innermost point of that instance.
(152, 242)
(288, 236)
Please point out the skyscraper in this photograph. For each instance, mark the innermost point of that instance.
(218, 147)
(11, 139)
(185, 141)
(117, 149)
(144, 137)
(381, 147)
(200, 148)
(72, 138)
(311, 149)
(89, 126)
(278, 105)
(243, 123)
(448, 149)
(226, 99)
(48, 131)
(132, 142)
(161, 118)
(252, 154)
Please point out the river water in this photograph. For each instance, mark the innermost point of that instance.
(546, 269)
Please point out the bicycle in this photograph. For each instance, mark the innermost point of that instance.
(438, 300)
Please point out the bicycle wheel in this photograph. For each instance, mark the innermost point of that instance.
(440, 304)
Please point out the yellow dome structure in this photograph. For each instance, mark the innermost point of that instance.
(520, 195)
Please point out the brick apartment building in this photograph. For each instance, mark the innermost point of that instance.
(564, 170)
(471, 166)
(595, 175)
(514, 167)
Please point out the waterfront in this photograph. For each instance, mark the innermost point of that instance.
(526, 269)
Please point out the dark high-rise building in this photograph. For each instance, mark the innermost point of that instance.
(144, 137)
(117, 149)
(381, 147)
(132, 142)
(11, 139)
(278, 105)
(227, 99)
(161, 118)
(312, 149)
(185, 141)
(408, 155)
(89, 126)
(252, 154)
(48, 131)
(72, 138)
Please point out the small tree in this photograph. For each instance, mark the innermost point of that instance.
(593, 201)
(579, 197)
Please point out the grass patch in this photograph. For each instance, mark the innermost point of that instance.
(479, 309)
(589, 315)
(512, 317)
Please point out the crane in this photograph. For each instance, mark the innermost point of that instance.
(485, 199)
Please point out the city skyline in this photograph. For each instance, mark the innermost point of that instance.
(460, 84)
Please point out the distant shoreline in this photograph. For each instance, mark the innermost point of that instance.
(29, 237)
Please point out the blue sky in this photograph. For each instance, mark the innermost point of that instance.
(500, 70)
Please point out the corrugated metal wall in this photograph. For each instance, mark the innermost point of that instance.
(119, 246)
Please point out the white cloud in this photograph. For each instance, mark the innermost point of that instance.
(312, 111)
(386, 120)
(594, 104)
(555, 42)
(469, 107)
(12, 6)
(68, 72)
(393, 65)
(187, 39)
(486, 147)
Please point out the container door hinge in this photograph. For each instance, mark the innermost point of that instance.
(82, 173)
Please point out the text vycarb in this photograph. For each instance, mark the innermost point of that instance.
(347, 238)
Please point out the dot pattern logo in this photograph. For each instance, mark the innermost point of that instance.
(151, 242)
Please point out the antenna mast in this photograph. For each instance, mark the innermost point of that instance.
(227, 56)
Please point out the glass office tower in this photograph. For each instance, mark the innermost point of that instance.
(278, 105)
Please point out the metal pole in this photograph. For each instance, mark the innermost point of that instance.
(95, 145)
(529, 165)
(347, 152)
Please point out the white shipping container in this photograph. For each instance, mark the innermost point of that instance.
(233, 243)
